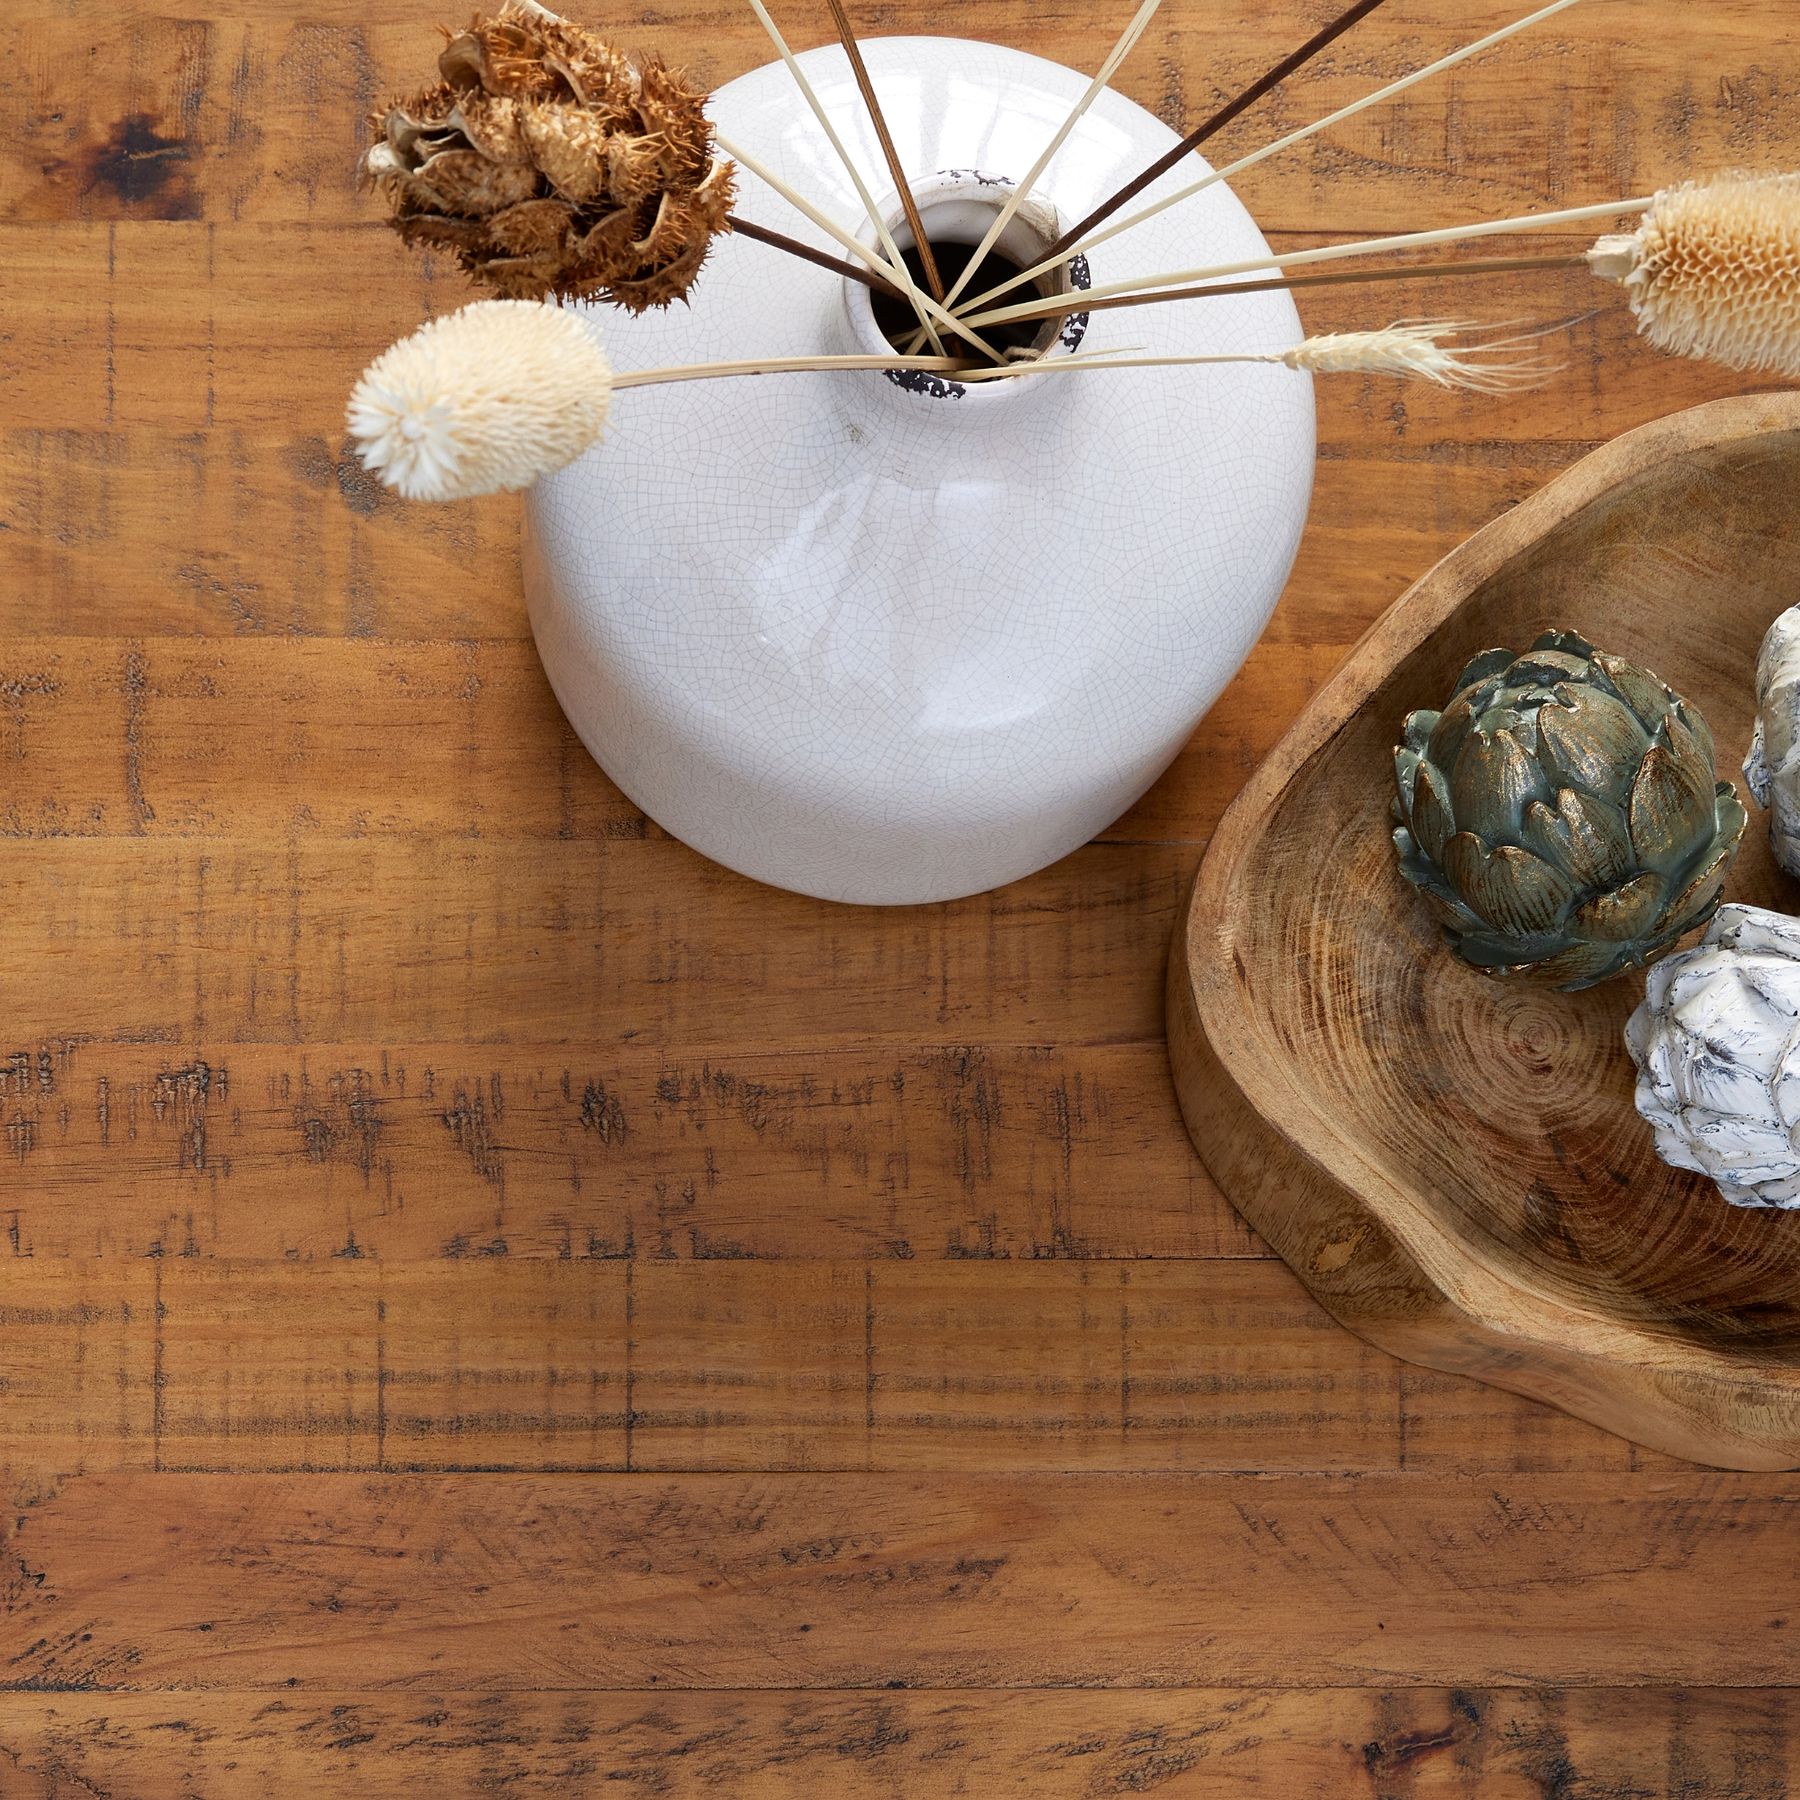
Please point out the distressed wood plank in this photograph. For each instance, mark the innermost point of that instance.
(601, 1150)
(253, 113)
(282, 534)
(501, 1363)
(911, 1365)
(185, 1364)
(505, 1581)
(348, 739)
(296, 939)
(1201, 1744)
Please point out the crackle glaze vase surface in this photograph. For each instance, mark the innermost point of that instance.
(885, 639)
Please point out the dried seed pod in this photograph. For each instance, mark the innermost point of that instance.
(552, 165)
(1713, 271)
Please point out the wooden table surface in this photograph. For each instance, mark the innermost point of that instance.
(493, 1303)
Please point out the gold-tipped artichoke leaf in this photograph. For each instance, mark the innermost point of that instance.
(1591, 740)
(1577, 965)
(1453, 727)
(1560, 638)
(1670, 815)
(1693, 754)
(1582, 836)
(1492, 782)
(1634, 909)
(1646, 694)
(1507, 885)
(1432, 816)
(1695, 903)
(1548, 669)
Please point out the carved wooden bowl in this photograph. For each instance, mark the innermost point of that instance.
(1452, 1163)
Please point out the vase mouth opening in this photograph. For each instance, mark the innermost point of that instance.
(957, 208)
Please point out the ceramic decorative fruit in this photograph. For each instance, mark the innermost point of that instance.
(1717, 1045)
(1773, 766)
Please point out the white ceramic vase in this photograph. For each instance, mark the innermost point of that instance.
(889, 639)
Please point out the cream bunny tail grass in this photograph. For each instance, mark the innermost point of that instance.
(1713, 271)
(484, 400)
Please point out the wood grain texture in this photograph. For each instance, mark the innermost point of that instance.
(1198, 1744)
(1480, 1195)
(445, 1225)
(135, 1581)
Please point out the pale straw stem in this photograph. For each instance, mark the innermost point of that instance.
(901, 273)
(1268, 150)
(1407, 240)
(1127, 38)
(850, 242)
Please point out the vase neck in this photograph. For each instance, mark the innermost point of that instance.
(957, 208)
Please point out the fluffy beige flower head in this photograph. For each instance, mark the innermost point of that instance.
(1713, 270)
(484, 400)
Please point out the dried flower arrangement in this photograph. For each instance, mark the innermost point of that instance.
(557, 167)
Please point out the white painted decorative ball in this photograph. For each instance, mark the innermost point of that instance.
(1773, 766)
(896, 639)
(1717, 1046)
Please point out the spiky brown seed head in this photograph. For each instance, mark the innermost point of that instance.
(1713, 271)
(551, 164)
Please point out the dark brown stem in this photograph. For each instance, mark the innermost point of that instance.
(824, 259)
(853, 50)
(1073, 302)
(1223, 117)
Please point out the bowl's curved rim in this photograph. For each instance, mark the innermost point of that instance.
(1494, 1302)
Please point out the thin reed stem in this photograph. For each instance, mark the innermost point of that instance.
(1408, 240)
(853, 244)
(1505, 265)
(853, 50)
(1388, 92)
(1340, 353)
(1271, 78)
(779, 240)
(897, 265)
(1127, 38)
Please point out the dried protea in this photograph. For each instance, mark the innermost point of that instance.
(552, 164)
(1713, 271)
(483, 401)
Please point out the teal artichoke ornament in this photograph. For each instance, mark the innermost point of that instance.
(1562, 816)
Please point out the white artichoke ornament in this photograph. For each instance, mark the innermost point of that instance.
(1717, 1046)
(1773, 766)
